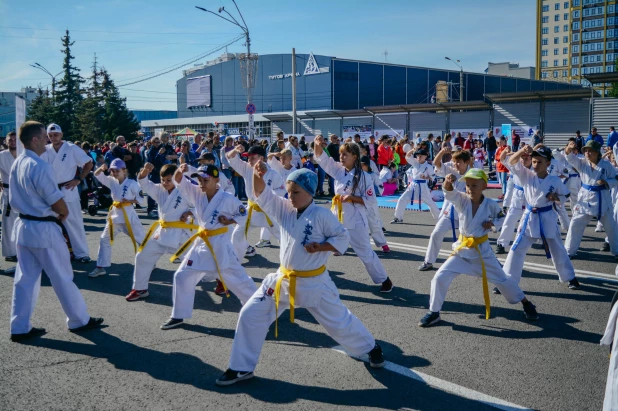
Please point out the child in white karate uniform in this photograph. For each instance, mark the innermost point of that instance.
(479, 155)
(539, 220)
(374, 220)
(449, 219)
(558, 169)
(211, 254)
(572, 180)
(419, 173)
(309, 234)
(472, 253)
(122, 216)
(166, 234)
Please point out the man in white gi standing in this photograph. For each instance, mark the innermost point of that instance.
(39, 239)
(7, 157)
(65, 158)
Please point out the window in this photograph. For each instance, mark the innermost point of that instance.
(576, 3)
(566, 16)
(575, 25)
(565, 73)
(600, 34)
(544, 74)
(586, 12)
(585, 59)
(565, 39)
(586, 35)
(556, 40)
(556, 29)
(545, 30)
(609, 57)
(599, 58)
(576, 14)
(593, 11)
(555, 52)
(609, 69)
(587, 24)
(610, 45)
(610, 8)
(543, 52)
(545, 19)
(575, 60)
(544, 63)
(565, 27)
(555, 73)
(557, 17)
(544, 42)
(575, 36)
(610, 21)
(586, 47)
(566, 5)
(555, 63)
(565, 50)
(565, 62)
(557, 6)
(575, 49)
(585, 70)
(600, 46)
(574, 71)
(545, 8)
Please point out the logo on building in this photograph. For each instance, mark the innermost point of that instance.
(313, 68)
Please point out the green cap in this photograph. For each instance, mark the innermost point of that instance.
(475, 173)
(593, 145)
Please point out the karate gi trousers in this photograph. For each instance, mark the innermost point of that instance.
(359, 242)
(442, 229)
(375, 226)
(578, 225)
(239, 241)
(104, 258)
(75, 228)
(421, 190)
(145, 262)
(509, 226)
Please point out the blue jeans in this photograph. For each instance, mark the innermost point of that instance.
(321, 176)
(239, 185)
(502, 179)
(490, 156)
(331, 185)
(227, 172)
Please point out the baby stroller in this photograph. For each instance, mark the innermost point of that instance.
(101, 197)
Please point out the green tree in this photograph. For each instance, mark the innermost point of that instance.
(69, 93)
(613, 92)
(91, 111)
(117, 120)
(42, 108)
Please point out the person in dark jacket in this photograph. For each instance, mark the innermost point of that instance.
(491, 145)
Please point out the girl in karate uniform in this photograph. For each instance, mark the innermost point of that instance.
(309, 234)
(122, 216)
(353, 192)
(472, 253)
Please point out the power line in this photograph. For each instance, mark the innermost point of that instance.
(118, 32)
(112, 41)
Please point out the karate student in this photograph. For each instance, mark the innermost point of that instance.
(374, 221)
(34, 194)
(517, 203)
(309, 234)
(167, 234)
(65, 158)
(472, 253)
(479, 155)
(539, 221)
(7, 158)
(449, 219)
(211, 254)
(610, 338)
(122, 216)
(572, 180)
(255, 216)
(419, 172)
(558, 169)
(353, 192)
(598, 176)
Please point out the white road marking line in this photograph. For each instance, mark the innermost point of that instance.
(444, 385)
(531, 266)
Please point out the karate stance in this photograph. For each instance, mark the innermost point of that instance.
(472, 253)
(65, 158)
(7, 158)
(309, 234)
(122, 216)
(211, 254)
(34, 194)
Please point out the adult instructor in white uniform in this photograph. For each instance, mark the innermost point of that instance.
(39, 239)
(65, 158)
(7, 158)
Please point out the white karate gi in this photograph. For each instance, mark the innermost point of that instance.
(572, 181)
(510, 189)
(556, 168)
(517, 205)
(592, 203)
(467, 260)
(284, 173)
(531, 224)
(417, 189)
(318, 294)
(296, 156)
(8, 215)
(383, 177)
(198, 263)
(171, 206)
(40, 245)
(224, 182)
(610, 337)
(130, 190)
(258, 219)
(449, 219)
(374, 220)
(65, 163)
(355, 215)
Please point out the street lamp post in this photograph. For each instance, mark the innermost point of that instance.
(44, 70)
(461, 77)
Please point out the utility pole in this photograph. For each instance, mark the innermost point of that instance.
(293, 91)
(461, 77)
(44, 70)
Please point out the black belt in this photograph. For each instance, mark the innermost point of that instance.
(50, 219)
(8, 206)
(62, 184)
(5, 185)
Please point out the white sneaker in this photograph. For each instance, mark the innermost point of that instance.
(263, 243)
(250, 252)
(97, 272)
(177, 261)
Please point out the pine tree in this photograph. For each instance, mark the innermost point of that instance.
(68, 96)
(42, 108)
(91, 110)
(117, 120)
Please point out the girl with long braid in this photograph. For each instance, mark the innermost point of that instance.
(352, 189)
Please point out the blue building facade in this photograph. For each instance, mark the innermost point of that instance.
(142, 115)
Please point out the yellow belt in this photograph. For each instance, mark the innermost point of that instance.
(291, 276)
(166, 224)
(204, 235)
(254, 206)
(337, 203)
(121, 205)
(474, 242)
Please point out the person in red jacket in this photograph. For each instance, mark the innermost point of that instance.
(385, 152)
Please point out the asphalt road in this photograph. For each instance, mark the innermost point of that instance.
(465, 363)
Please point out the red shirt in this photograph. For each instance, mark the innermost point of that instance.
(499, 166)
(385, 154)
(468, 145)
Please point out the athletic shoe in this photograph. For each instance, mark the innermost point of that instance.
(97, 272)
(250, 252)
(376, 358)
(230, 377)
(425, 267)
(11, 259)
(396, 221)
(135, 295)
(574, 284)
(177, 260)
(10, 270)
(386, 249)
(92, 324)
(530, 310)
(501, 197)
(383, 229)
(337, 254)
(83, 260)
(605, 246)
(219, 290)
(599, 229)
(387, 286)
(171, 323)
(496, 291)
(263, 243)
(500, 249)
(32, 333)
(429, 319)
(572, 257)
(153, 214)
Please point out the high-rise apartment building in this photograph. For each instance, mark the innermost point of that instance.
(575, 38)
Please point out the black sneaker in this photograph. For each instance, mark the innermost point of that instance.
(92, 323)
(574, 284)
(429, 319)
(496, 291)
(83, 260)
(32, 333)
(11, 259)
(376, 358)
(387, 286)
(383, 229)
(500, 249)
(171, 323)
(530, 310)
(572, 257)
(396, 221)
(605, 246)
(230, 377)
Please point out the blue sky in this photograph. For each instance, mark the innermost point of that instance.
(133, 38)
